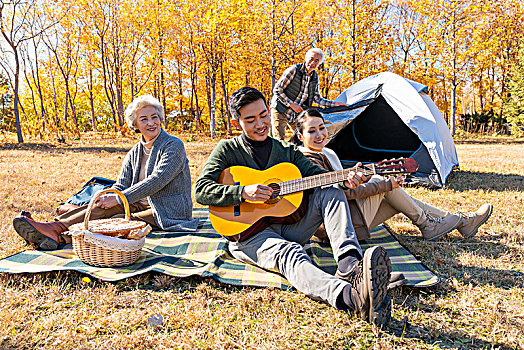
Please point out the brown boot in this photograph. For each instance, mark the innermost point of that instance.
(45, 235)
(369, 280)
(397, 279)
(470, 223)
(432, 222)
(433, 228)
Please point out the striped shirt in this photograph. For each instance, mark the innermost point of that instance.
(284, 81)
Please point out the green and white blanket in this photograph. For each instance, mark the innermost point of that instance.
(204, 253)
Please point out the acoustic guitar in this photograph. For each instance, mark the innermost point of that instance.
(287, 204)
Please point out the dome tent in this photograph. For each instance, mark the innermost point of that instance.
(391, 117)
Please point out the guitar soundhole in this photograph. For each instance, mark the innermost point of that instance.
(276, 193)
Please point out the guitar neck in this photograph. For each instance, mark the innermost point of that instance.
(325, 179)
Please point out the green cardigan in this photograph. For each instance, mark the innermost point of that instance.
(233, 152)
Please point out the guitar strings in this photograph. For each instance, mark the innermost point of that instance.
(297, 185)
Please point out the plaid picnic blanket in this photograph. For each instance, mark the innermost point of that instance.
(205, 253)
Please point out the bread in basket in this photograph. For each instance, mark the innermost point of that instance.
(109, 242)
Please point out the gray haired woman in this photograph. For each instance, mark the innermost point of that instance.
(154, 178)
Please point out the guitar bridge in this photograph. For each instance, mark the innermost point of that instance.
(236, 208)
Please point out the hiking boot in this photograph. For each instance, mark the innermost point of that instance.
(45, 235)
(397, 279)
(369, 280)
(435, 227)
(470, 223)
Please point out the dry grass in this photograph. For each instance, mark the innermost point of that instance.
(478, 304)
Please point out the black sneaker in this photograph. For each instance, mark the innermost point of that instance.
(370, 279)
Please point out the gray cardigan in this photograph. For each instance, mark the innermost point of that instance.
(167, 182)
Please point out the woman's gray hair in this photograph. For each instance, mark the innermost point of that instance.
(318, 51)
(141, 102)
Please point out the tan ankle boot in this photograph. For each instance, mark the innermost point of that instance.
(470, 223)
(435, 227)
(46, 235)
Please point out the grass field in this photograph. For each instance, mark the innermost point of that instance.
(478, 304)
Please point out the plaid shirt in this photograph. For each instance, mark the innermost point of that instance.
(284, 81)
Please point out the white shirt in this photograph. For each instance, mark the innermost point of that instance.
(147, 146)
(331, 156)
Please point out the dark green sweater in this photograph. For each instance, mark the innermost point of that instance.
(233, 152)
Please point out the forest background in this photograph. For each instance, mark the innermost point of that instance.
(70, 66)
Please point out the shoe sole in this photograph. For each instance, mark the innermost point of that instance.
(433, 239)
(474, 232)
(377, 271)
(31, 234)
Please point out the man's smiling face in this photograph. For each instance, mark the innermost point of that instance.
(254, 120)
(313, 60)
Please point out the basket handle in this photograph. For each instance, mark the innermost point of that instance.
(125, 203)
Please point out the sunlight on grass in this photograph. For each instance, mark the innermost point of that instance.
(479, 303)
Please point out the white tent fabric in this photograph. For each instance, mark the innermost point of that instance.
(416, 109)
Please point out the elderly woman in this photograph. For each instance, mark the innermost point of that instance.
(154, 178)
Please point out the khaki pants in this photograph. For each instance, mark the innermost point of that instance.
(138, 212)
(377, 209)
(278, 124)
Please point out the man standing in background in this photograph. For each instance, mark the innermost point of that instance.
(295, 91)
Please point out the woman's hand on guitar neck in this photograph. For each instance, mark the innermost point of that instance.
(355, 178)
(397, 182)
(257, 193)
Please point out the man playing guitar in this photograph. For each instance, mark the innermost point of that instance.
(361, 285)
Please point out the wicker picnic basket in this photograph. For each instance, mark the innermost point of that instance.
(98, 242)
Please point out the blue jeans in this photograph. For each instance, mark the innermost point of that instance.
(280, 247)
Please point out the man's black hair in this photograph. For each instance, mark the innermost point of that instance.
(242, 97)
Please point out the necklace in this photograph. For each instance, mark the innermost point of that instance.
(146, 149)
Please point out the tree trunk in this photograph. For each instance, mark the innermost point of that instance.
(225, 96)
(180, 94)
(91, 100)
(55, 104)
(162, 78)
(119, 102)
(15, 101)
(194, 81)
(452, 120)
(354, 42)
(108, 89)
(197, 111)
(42, 109)
(66, 106)
(32, 94)
(212, 82)
(119, 106)
(273, 49)
(68, 100)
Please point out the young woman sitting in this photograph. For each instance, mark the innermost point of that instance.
(378, 199)
(154, 178)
